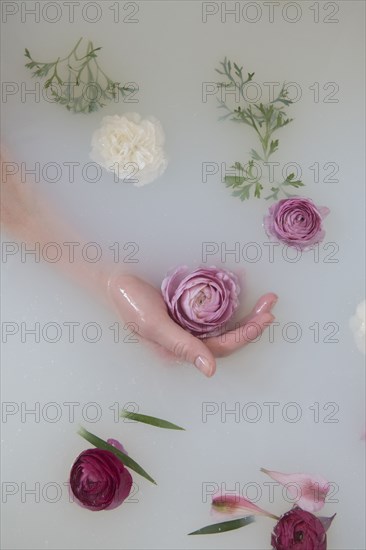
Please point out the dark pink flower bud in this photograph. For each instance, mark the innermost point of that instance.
(300, 530)
(99, 480)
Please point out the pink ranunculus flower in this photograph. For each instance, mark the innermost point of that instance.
(296, 222)
(99, 480)
(201, 301)
(300, 530)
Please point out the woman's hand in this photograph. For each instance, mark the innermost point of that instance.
(34, 221)
(140, 303)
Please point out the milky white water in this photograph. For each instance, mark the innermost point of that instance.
(298, 393)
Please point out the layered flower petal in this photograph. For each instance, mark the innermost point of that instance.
(296, 222)
(358, 326)
(308, 491)
(299, 530)
(131, 147)
(117, 445)
(327, 522)
(201, 301)
(99, 480)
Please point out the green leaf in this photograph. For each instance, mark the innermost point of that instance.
(95, 50)
(245, 194)
(224, 526)
(234, 181)
(265, 119)
(84, 70)
(273, 146)
(258, 189)
(152, 420)
(224, 117)
(274, 195)
(125, 459)
(255, 155)
(295, 183)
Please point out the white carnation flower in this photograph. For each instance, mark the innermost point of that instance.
(131, 147)
(358, 326)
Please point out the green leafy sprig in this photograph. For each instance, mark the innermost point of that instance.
(78, 82)
(266, 120)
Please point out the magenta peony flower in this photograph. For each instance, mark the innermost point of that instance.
(201, 301)
(99, 480)
(296, 222)
(300, 530)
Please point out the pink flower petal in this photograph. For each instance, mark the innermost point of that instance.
(324, 211)
(203, 300)
(308, 491)
(235, 505)
(118, 445)
(326, 521)
(296, 221)
(99, 480)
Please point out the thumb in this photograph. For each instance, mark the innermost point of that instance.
(185, 346)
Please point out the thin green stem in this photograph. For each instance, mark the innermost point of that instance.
(103, 73)
(79, 69)
(265, 119)
(55, 75)
(73, 52)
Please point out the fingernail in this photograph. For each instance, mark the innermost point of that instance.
(266, 303)
(273, 303)
(203, 364)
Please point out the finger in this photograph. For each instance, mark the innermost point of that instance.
(233, 340)
(162, 353)
(265, 304)
(185, 346)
